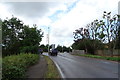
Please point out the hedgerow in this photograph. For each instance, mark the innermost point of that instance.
(15, 66)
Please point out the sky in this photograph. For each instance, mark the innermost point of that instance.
(62, 17)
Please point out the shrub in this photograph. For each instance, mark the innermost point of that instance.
(15, 66)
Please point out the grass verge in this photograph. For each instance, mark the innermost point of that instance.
(52, 71)
(100, 57)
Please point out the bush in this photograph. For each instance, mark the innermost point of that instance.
(29, 49)
(15, 66)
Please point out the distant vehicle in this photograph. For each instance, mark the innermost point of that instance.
(53, 52)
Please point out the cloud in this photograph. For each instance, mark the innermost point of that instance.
(31, 9)
(84, 12)
(62, 18)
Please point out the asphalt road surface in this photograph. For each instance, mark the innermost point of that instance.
(82, 67)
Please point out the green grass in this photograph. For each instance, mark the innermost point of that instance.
(52, 71)
(15, 66)
(100, 57)
(0, 67)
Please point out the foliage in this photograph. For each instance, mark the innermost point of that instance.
(31, 39)
(63, 48)
(87, 45)
(45, 47)
(59, 48)
(11, 30)
(66, 49)
(118, 36)
(110, 27)
(98, 33)
(17, 37)
(15, 66)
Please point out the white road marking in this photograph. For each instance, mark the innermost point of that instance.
(61, 73)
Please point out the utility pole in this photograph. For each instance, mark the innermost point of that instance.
(48, 40)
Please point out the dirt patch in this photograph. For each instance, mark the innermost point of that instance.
(38, 70)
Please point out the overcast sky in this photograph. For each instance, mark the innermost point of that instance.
(62, 17)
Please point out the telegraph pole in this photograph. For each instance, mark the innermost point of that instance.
(48, 40)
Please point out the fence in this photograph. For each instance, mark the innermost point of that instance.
(100, 52)
(78, 52)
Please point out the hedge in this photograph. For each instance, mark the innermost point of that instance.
(15, 66)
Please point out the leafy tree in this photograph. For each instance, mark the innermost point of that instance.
(110, 30)
(118, 36)
(17, 37)
(81, 33)
(86, 38)
(11, 29)
(63, 49)
(30, 39)
(66, 49)
(95, 29)
(98, 31)
(110, 26)
(59, 48)
(87, 45)
(44, 47)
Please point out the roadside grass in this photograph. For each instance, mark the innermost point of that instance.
(0, 68)
(99, 57)
(15, 66)
(52, 71)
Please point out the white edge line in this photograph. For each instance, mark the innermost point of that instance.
(60, 71)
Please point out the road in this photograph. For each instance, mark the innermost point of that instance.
(82, 67)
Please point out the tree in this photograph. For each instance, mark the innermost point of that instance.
(118, 34)
(66, 49)
(11, 29)
(44, 47)
(97, 33)
(17, 37)
(59, 48)
(110, 27)
(63, 49)
(30, 39)
(86, 38)
(95, 30)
